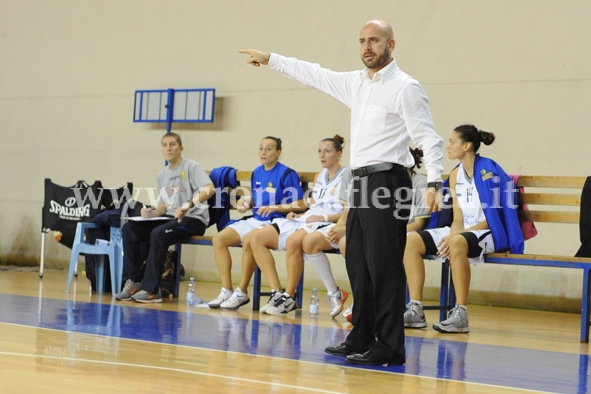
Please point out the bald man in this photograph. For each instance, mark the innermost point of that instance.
(388, 110)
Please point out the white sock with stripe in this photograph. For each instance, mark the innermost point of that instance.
(322, 266)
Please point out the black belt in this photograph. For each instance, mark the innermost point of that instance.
(365, 171)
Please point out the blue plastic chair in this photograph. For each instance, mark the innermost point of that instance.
(114, 250)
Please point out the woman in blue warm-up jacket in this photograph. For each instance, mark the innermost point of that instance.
(481, 217)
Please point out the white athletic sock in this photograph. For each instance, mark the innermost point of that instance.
(417, 302)
(322, 266)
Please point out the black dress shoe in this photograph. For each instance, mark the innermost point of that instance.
(339, 350)
(366, 359)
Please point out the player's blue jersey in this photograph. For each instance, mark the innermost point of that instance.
(279, 185)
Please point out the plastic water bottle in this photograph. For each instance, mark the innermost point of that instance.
(191, 292)
(314, 303)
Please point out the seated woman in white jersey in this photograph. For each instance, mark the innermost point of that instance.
(483, 203)
(288, 234)
(333, 236)
(276, 191)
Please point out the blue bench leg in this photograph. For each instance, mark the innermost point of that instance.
(300, 291)
(452, 294)
(585, 307)
(444, 292)
(407, 295)
(177, 271)
(256, 296)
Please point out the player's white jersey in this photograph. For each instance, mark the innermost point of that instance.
(468, 199)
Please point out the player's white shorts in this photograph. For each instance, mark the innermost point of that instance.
(480, 242)
(244, 226)
(286, 227)
(324, 231)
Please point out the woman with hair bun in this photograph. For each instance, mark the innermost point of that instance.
(484, 209)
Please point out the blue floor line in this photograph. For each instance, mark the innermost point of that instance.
(445, 359)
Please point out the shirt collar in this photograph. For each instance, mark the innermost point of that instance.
(382, 75)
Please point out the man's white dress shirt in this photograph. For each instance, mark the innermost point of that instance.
(387, 112)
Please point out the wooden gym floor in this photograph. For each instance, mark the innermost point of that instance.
(53, 342)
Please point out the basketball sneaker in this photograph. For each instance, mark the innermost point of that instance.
(145, 297)
(275, 295)
(129, 289)
(337, 301)
(456, 322)
(282, 306)
(224, 295)
(349, 313)
(414, 317)
(236, 300)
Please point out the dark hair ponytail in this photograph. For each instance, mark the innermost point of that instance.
(417, 154)
(337, 141)
(485, 137)
(469, 133)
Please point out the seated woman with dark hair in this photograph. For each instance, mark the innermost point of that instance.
(484, 206)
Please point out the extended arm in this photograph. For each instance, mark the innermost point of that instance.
(336, 84)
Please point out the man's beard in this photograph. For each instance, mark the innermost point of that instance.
(379, 61)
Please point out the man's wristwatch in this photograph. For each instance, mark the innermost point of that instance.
(436, 185)
(191, 203)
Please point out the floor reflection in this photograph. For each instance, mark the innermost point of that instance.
(284, 337)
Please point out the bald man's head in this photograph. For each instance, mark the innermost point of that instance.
(376, 43)
(383, 26)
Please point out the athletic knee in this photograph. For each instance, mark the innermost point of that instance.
(310, 245)
(254, 239)
(343, 246)
(218, 241)
(294, 244)
(158, 235)
(414, 245)
(458, 245)
(225, 238)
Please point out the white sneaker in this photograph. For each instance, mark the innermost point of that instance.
(414, 317)
(223, 296)
(456, 322)
(282, 306)
(236, 300)
(349, 313)
(337, 301)
(275, 295)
